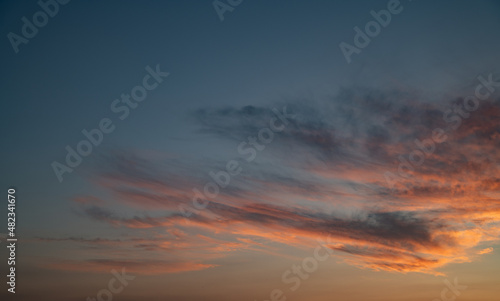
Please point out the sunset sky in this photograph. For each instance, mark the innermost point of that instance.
(261, 163)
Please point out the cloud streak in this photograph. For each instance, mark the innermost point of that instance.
(323, 177)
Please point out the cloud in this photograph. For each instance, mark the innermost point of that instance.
(323, 176)
(142, 267)
(485, 251)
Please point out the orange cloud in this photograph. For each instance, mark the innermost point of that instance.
(485, 251)
(327, 179)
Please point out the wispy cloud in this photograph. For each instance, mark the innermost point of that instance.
(324, 176)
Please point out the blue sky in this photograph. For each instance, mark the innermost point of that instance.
(225, 79)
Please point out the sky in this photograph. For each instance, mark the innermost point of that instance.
(251, 150)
